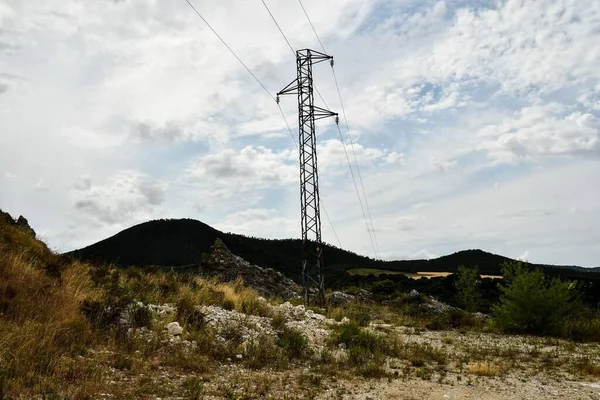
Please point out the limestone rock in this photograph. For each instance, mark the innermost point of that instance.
(339, 298)
(174, 329)
(227, 267)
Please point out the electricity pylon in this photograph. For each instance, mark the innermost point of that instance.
(308, 113)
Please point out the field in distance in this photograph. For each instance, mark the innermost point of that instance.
(413, 275)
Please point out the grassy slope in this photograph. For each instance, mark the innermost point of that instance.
(50, 348)
(60, 335)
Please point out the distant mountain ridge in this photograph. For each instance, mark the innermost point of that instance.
(181, 242)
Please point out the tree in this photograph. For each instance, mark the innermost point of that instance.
(467, 287)
(530, 302)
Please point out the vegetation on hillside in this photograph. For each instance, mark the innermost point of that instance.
(181, 242)
(67, 327)
(467, 284)
(70, 330)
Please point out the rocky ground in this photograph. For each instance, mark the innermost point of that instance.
(438, 365)
(64, 335)
(227, 267)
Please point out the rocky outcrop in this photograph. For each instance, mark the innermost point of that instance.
(227, 267)
(340, 298)
(20, 222)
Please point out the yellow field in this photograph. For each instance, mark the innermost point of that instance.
(413, 275)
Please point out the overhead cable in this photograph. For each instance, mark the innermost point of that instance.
(372, 227)
(265, 89)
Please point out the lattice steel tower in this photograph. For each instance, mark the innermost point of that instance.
(308, 113)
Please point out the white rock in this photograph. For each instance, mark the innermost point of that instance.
(174, 329)
(319, 317)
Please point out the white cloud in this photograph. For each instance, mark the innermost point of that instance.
(267, 221)
(332, 154)
(126, 196)
(501, 92)
(249, 167)
(542, 131)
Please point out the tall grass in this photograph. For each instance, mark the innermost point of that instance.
(40, 323)
(60, 321)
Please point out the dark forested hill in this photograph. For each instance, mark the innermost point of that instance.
(180, 242)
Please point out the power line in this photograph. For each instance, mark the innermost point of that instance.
(357, 192)
(278, 27)
(312, 26)
(290, 46)
(265, 89)
(288, 125)
(330, 224)
(355, 159)
(230, 50)
(372, 227)
(318, 93)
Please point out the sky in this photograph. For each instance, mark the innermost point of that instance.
(475, 124)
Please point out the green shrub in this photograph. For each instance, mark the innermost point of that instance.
(254, 306)
(362, 316)
(384, 287)
(105, 313)
(363, 346)
(116, 302)
(366, 350)
(454, 319)
(294, 343)
(263, 352)
(139, 316)
(582, 328)
(532, 303)
(374, 368)
(467, 287)
(278, 321)
(188, 314)
(194, 388)
(228, 304)
(122, 362)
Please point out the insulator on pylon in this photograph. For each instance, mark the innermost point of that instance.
(277, 99)
(337, 120)
(331, 62)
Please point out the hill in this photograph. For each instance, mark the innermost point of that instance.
(71, 330)
(181, 242)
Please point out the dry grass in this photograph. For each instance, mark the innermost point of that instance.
(484, 369)
(50, 346)
(41, 328)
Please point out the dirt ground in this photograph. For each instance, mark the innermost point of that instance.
(508, 388)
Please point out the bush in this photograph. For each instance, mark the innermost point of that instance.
(263, 352)
(454, 319)
(582, 328)
(254, 306)
(467, 287)
(294, 343)
(278, 321)
(106, 312)
(187, 313)
(361, 344)
(384, 287)
(532, 303)
(140, 315)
